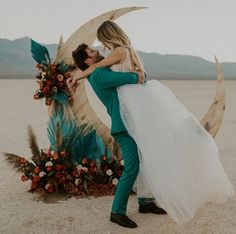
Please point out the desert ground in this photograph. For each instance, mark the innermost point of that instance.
(24, 212)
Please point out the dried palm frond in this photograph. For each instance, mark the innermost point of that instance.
(58, 136)
(13, 160)
(33, 146)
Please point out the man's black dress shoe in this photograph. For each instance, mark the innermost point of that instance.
(122, 220)
(151, 208)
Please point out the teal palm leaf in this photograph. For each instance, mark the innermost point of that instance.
(40, 53)
(79, 141)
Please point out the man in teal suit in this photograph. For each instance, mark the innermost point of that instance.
(104, 82)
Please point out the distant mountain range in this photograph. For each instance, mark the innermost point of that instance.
(16, 62)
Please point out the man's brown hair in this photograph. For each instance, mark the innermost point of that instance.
(80, 55)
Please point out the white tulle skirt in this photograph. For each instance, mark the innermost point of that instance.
(178, 157)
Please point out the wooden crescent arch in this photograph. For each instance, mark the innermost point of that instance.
(82, 108)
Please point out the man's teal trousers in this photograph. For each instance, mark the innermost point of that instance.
(129, 174)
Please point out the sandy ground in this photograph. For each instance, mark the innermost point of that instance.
(23, 212)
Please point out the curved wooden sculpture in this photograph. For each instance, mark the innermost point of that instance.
(82, 104)
(214, 116)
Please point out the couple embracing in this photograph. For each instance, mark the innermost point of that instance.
(174, 159)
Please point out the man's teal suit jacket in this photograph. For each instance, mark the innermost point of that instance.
(104, 83)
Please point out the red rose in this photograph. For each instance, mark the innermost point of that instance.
(59, 167)
(35, 179)
(119, 173)
(60, 84)
(50, 189)
(85, 160)
(45, 90)
(62, 179)
(50, 168)
(58, 174)
(75, 173)
(94, 169)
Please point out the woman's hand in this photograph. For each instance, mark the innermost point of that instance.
(141, 76)
(72, 83)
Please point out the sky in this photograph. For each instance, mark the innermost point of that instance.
(201, 28)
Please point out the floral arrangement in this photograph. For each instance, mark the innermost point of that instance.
(55, 172)
(51, 76)
(77, 161)
(52, 82)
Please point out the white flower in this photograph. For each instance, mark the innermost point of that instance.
(79, 167)
(85, 169)
(42, 173)
(77, 181)
(43, 74)
(122, 162)
(115, 181)
(47, 186)
(109, 172)
(48, 164)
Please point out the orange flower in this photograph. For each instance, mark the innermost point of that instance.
(60, 77)
(104, 157)
(36, 97)
(24, 178)
(53, 67)
(48, 102)
(93, 169)
(37, 170)
(55, 155)
(23, 160)
(67, 74)
(38, 66)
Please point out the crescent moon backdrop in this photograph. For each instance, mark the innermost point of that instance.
(88, 108)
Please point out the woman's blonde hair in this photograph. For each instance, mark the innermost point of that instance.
(109, 33)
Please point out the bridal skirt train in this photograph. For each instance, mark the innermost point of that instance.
(178, 157)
